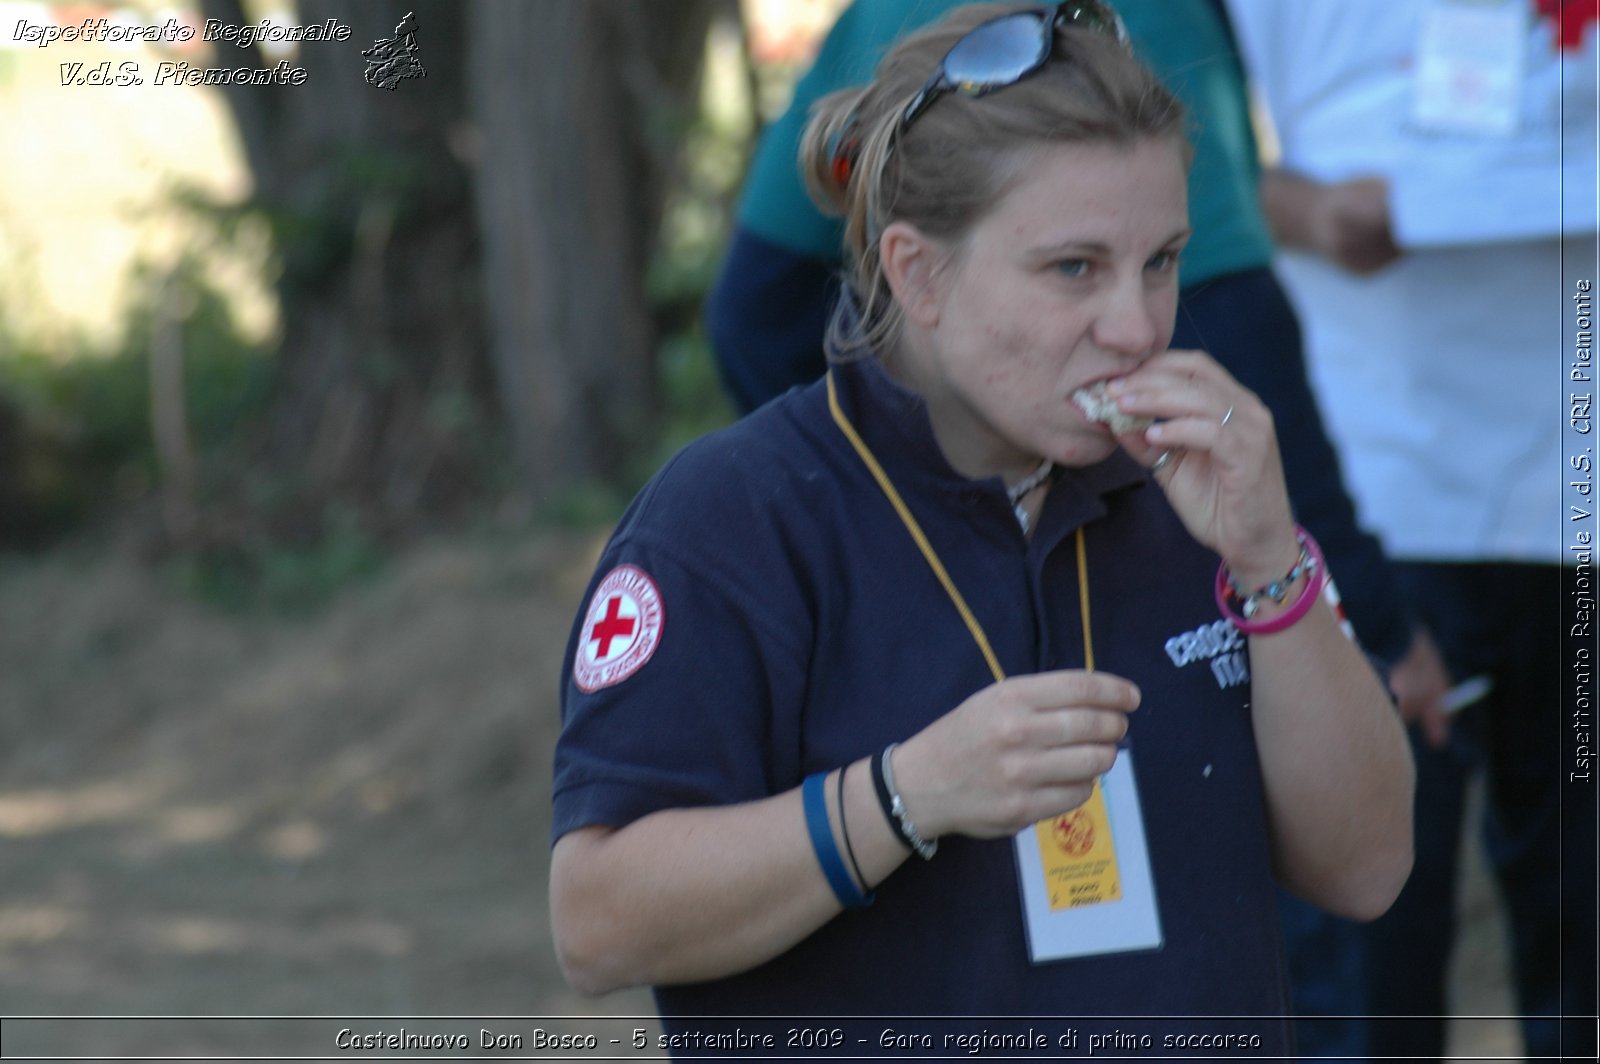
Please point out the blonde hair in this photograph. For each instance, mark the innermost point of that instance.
(963, 154)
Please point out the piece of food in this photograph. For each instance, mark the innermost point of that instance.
(1098, 406)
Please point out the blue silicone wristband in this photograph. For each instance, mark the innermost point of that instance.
(816, 804)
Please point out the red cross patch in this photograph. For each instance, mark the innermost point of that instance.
(620, 631)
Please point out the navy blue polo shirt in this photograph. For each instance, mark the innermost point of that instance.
(762, 614)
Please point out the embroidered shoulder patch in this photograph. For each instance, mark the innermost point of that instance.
(621, 629)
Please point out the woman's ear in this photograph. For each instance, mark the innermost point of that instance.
(910, 261)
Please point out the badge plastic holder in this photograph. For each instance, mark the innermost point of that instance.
(1086, 897)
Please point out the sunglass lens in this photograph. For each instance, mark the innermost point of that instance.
(1097, 17)
(998, 52)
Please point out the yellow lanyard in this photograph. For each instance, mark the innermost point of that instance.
(935, 564)
(1071, 877)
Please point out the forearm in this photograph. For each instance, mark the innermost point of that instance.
(1291, 202)
(686, 895)
(1346, 222)
(1336, 767)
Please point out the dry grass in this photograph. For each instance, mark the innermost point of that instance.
(209, 815)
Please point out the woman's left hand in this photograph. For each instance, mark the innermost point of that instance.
(1334, 761)
(1224, 476)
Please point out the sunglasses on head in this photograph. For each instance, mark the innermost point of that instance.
(989, 56)
(1001, 52)
(994, 55)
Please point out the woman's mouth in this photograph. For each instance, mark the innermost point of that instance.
(1099, 407)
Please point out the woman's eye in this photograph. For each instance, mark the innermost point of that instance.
(1163, 261)
(1073, 267)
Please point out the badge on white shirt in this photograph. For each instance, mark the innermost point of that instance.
(1469, 68)
(1085, 875)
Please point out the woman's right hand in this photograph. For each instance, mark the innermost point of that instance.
(742, 885)
(1015, 753)
(1420, 682)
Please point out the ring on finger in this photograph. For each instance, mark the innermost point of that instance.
(1160, 463)
(1226, 418)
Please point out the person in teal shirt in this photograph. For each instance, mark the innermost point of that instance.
(769, 311)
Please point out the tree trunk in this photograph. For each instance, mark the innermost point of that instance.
(371, 215)
(578, 103)
(469, 248)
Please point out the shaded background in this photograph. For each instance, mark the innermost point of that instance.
(316, 404)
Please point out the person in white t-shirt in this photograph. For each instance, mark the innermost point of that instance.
(1419, 195)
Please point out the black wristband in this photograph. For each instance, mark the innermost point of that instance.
(844, 829)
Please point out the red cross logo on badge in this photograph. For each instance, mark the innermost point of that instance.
(1074, 833)
(620, 631)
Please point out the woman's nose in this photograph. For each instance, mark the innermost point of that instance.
(1127, 324)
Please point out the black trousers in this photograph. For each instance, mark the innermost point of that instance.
(1504, 621)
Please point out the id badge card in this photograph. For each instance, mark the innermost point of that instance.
(1469, 67)
(1085, 875)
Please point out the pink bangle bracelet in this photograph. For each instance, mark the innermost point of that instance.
(1317, 571)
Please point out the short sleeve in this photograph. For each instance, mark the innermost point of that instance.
(682, 688)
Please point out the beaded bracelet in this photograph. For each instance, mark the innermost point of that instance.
(1310, 563)
(894, 807)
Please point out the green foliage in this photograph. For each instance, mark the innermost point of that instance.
(85, 418)
(693, 399)
(94, 407)
(586, 507)
(261, 574)
(89, 450)
(86, 413)
(361, 195)
(695, 231)
(693, 405)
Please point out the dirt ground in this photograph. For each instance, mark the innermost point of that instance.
(207, 815)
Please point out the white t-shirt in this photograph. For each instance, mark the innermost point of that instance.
(1443, 377)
